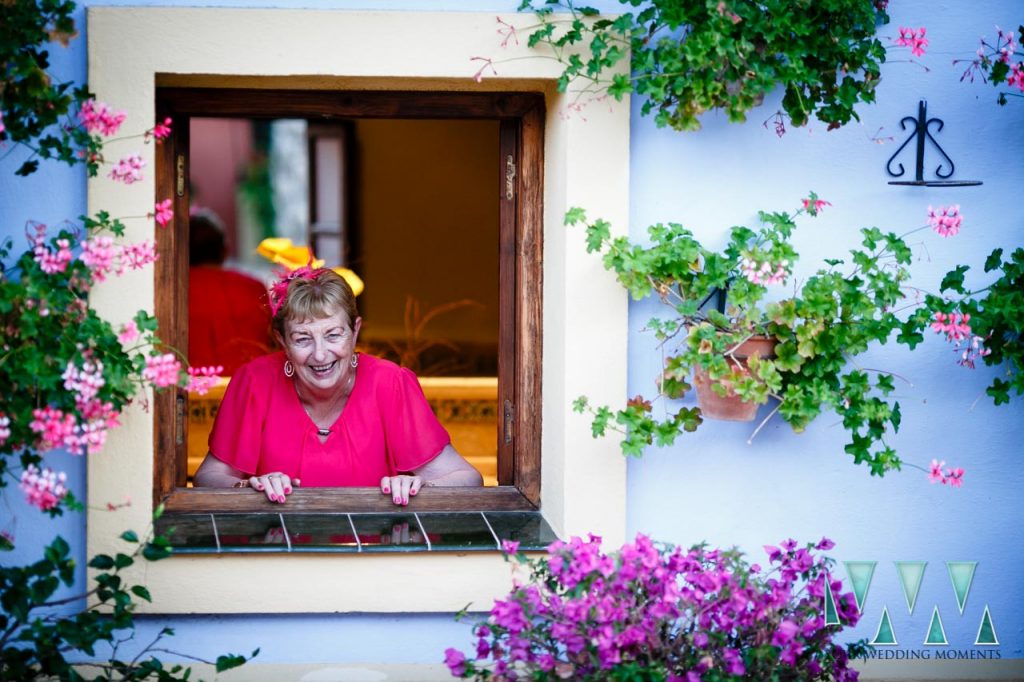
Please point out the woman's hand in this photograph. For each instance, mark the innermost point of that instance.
(275, 485)
(401, 487)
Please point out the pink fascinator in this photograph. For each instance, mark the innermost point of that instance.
(279, 289)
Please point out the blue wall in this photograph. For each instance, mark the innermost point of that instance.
(712, 485)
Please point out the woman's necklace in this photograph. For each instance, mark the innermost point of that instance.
(325, 432)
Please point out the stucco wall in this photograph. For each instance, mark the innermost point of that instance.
(712, 485)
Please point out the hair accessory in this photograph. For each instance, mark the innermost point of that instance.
(289, 368)
(355, 360)
(279, 290)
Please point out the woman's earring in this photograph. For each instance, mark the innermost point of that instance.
(355, 360)
(289, 368)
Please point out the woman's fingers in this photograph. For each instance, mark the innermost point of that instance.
(400, 487)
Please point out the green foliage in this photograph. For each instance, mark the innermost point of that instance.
(996, 317)
(687, 58)
(33, 105)
(833, 316)
(36, 644)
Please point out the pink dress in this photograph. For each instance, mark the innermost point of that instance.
(386, 426)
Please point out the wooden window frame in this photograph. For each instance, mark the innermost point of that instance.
(520, 193)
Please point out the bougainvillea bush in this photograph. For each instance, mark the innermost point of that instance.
(657, 612)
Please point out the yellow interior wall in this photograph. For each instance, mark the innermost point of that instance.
(427, 212)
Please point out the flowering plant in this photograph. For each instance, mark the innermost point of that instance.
(1000, 62)
(828, 319)
(688, 58)
(986, 323)
(653, 612)
(68, 374)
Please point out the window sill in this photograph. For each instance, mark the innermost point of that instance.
(504, 498)
(348, 533)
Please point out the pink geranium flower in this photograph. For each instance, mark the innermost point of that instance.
(53, 427)
(128, 169)
(202, 379)
(98, 254)
(43, 489)
(915, 40)
(162, 130)
(98, 117)
(935, 472)
(164, 213)
(945, 220)
(1016, 76)
(162, 370)
(129, 333)
(137, 256)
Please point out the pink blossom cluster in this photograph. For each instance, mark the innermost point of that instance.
(98, 117)
(1016, 76)
(102, 256)
(954, 325)
(764, 273)
(5, 428)
(589, 615)
(202, 379)
(129, 333)
(971, 350)
(162, 370)
(160, 131)
(43, 489)
(951, 477)
(53, 426)
(128, 169)
(814, 205)
(945, 220)
(163, 213)
(915, 40)
(50, 262)
(85, 381)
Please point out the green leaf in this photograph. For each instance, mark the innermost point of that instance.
(954, 280)
(141, 592)
(994, 260)
(129, 536)
(102, 562)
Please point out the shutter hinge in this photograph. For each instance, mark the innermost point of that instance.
(509, 413)
(180, 168)
(510, 177)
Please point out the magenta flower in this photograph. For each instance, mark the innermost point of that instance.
(161, 131)
(128, 170)
(1016, 76)
(935, 472)
(137, 256)
(43, 489)
(509, 546)
(85, 381)
(456, 661)
(764, 273)
(129, 333)
(945, 220)
(202, 379)
(164, 213)
(915, 40)
(50, 262)
(98, 117)
(954, 325)
(53, 427)
(98, 254)
(162, 370)
(813, 205)
(955, 477)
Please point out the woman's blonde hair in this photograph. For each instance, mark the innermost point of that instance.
(323, 293)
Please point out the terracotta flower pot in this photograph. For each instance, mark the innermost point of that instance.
(731, 407)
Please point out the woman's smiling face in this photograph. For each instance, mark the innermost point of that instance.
(321, 351)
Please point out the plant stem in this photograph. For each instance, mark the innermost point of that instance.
(750, 441)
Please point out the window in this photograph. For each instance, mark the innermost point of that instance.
(584, 317)
(347, 133)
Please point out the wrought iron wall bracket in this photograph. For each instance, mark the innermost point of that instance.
(920, 134)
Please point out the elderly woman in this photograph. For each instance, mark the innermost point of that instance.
(322, 414)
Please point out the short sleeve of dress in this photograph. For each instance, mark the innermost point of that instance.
(411, 431)
(238, 427)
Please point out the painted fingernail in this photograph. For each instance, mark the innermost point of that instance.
(413, 492)
(287, 491)
(398, 500)
(387, 490)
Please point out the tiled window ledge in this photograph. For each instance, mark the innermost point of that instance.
(398, 531)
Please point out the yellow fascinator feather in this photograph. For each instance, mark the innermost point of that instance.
(281, 251)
